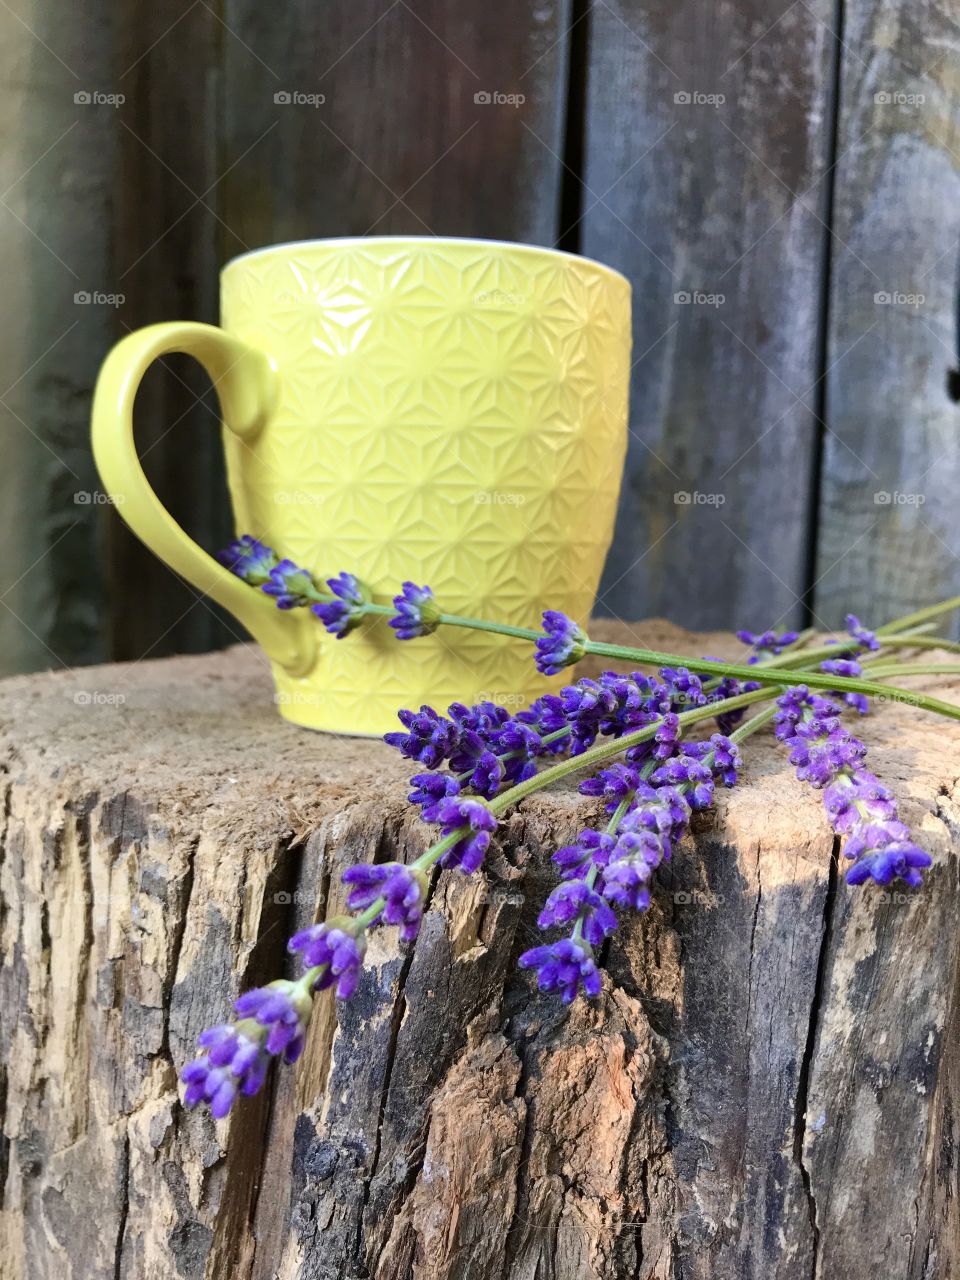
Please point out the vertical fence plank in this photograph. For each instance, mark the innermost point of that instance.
(164, 226)
(707, 138)
(56, 157)
(889, 538)
(409, 136)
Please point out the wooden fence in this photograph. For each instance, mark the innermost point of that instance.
(779, 180)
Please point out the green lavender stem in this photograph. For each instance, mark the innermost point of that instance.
(920, 615)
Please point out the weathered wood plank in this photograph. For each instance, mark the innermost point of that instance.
(766, 1086)
(691, 196)
(165, 240)
(400, 144)
(56, 172)
(891, 469)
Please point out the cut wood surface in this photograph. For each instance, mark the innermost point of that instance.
(767, 1085)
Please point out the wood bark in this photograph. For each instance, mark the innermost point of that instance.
(767, 1085)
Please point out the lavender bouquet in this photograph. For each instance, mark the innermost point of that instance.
(474, 763)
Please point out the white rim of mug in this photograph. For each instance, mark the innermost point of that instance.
(336, 242)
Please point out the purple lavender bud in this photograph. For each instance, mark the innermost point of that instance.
(342, 615)
(290, 585)
(842, 667)
(474, 821)
(686, 689)
(564, 966)
(625, 883)
(487, 775)
(575, 899)
(235, 1057)
(562, 645)
(903, 861)
(430, 737)
(248, 559)
(766, 642)
(591, 847)
(614, 784)
(863, 635)
(334, 946)
(430, 789)
(418, 613)
(692, 775)
(721, 755)
(403, 889)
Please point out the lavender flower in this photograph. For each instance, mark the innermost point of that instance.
(860, 808)
(248, 559)
(290, 585)
(342, 615)
(417, 612)
(863, 635)
(235, 1056)
(474, 821)
(577, 900)
(429, 790)
(564, 966)
(429, 739)
(766, 642)
(563, 644)
(614, 784)
(403, 889)
(335, 946)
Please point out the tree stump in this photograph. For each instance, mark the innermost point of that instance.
(767, 1085)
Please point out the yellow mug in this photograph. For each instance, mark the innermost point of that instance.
(451, 412)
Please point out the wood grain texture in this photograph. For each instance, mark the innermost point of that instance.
(165, 224)
(399, 144)
(888, 529)
(706, 143)
(57, 164)
(767, 1084)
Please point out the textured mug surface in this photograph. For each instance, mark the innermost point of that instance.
(448, 411)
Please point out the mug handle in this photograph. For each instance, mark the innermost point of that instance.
(246, 382)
